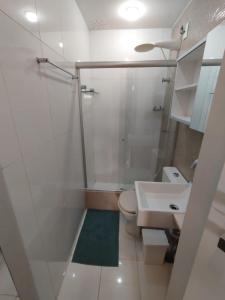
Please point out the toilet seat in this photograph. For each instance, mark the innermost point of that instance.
(128, 202)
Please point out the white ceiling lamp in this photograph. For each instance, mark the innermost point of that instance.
(170, 45)
(61, 45)
(132, 10)
(31, 16)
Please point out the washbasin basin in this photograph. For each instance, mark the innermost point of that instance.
(158, 201)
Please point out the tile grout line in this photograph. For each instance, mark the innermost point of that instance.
(138, 273)
(8, 295)
(99, 286)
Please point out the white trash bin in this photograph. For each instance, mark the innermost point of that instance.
(155, 245)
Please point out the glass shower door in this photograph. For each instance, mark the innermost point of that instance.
(143, 116)
(122, 123)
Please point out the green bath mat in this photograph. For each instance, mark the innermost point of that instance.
(98, 243)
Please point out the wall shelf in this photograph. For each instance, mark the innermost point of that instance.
(188, 87)
(186, 84)
(181, 119)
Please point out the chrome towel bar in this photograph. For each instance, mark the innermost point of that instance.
(47, 61)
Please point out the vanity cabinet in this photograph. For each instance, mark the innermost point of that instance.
(195, 83)
(204, 96)
(214, 49)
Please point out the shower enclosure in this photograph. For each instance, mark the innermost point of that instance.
(122, 113)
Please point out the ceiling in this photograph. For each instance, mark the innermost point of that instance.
(103, 14)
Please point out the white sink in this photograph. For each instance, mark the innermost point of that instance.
(158, 201)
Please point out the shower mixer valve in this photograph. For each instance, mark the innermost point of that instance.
(166, 80)
(157, 108)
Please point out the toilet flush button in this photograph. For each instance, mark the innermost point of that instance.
(176, 174)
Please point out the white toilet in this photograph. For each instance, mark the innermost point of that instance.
(128, 207)
(172, 175)
(128, 201)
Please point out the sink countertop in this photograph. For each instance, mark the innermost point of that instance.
(159, 201)
(216, 214)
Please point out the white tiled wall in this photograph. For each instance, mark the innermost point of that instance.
(40, 148)
(118, 45)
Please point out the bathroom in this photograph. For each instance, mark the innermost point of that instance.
(91, 121)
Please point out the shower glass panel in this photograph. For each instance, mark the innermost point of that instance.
(122, 123)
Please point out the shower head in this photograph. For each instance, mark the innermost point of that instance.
(144, 47)
(170, 45)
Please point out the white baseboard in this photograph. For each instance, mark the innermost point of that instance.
(76, 238)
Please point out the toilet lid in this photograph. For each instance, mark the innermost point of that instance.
(128, 201)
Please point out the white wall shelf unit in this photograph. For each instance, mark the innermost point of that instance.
(186, 83)
(181, 119)
(187, 87)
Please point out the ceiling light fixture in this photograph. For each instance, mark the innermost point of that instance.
(31, 16)
(132, 10)
(61, 45)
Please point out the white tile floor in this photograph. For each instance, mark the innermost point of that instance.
(132, 280)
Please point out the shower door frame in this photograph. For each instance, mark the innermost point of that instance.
(119, 65)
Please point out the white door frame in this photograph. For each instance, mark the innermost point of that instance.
(13, 249)
(206, 179)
